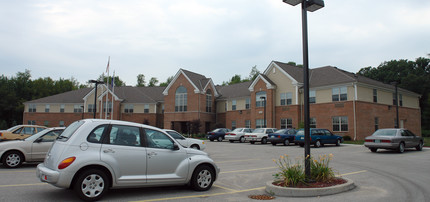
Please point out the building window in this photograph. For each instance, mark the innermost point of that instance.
(78, 108)
(376, 123)
(247, 123)
(162, 108)
(62, 108)
(312, 122)
(46, 123)
(90, 108)
(181, 99)
(258, 101)
(394, 99)
(375, 95)
(248, 103)
(109, 106)
(32, 108)
(286, 123)
(259, 123)
(340, 123)
(400, 100)
(47, 108)
(233, 105)
(312, 97)
(286, 98)
(61, 124)
(339, 94)
(128, 108)
(146, 108)
(208, 100)
(233, 125)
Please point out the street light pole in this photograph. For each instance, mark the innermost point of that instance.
(95, 95)
(307, 5)
(397, 104)
(264, 102)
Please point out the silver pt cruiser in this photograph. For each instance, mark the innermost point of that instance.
(91, 156)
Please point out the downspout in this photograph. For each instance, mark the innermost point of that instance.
(354, 106)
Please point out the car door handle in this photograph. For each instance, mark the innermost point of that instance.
(108, 151)
(152, 154)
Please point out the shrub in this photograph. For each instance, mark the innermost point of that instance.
(347, 138)
(425, 133)
(320, 170)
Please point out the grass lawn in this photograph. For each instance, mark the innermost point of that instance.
(361, 142)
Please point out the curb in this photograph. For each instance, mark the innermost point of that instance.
(308, 192)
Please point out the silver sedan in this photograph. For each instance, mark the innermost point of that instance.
(32, 149)
(393, 139)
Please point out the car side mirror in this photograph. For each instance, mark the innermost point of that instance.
(175, 146)
(38, 140)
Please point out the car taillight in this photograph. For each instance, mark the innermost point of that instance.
(1, 134)
(279, 136)
(386, 141)
(368, 140)
(66, 162)
(232, 134)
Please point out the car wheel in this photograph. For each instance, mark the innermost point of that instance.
(401, 147)
(219, 139)
(264, 140)
(91, 185)
(252, 142)
(211, 140)
(286, 142)
(419, 147)
(194, 146)
(317, 144)
(274, 144)
(13, 159)
(302, 145)
(242, 140)
(373, 149)
(203, 178)
(231, 141)
(338, 142)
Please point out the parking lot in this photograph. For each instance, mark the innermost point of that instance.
(382, 176)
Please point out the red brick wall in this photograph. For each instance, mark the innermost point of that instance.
(239, 116)
(270, 105)
(290, 111)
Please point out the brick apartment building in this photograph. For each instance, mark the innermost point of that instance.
(345, 103)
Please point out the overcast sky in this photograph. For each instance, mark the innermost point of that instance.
(216, 38)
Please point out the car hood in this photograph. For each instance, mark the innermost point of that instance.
(12, 143)
(193, 152)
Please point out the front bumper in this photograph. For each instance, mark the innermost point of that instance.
(275, 140)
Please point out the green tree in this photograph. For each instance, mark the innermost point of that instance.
(254, 73)
(153, 82)
(165, 84)
(140, 80)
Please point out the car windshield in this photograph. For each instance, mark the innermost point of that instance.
(385, 132)
(281, 131)
(238, 130)
(258, 130)
(68, 132)
(300, 132)
(175, 135)
(13, 128)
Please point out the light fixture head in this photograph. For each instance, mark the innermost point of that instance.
(292, 2)
(313, 5)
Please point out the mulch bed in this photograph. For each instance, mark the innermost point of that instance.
(333, 182)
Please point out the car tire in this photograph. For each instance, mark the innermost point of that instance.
(401, 147)
(302, 145)
(194, 146)
(242, 140)
(211, 140)
(252, 142)
(203, 178)
(219, 139)
(231, 141)
(317, 144)
(419, 147)
(91, 185)
(373, 149)
(338, 142)
(264, 140)
(13, 159)
(274, 144)
(286, 142)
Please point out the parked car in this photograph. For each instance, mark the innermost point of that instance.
(394, 139)
(93, 155)
(218, 134)
(284, 136)
(319, 137)
(237, 134)
(31, 149)
(187, 142)
(259, 135)
(19, 132)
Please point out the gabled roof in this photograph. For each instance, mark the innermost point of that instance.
(198, 81)
(74, 96)
(269, 83)
(234, 90)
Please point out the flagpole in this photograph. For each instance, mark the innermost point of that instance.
(113, 93)
(107, 89)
